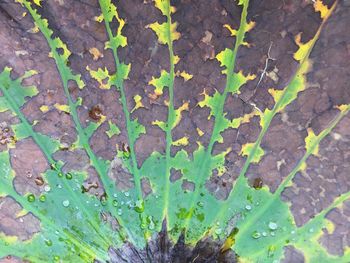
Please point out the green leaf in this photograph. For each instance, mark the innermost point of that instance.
(75, 226)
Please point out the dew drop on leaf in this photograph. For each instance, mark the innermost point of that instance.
(218, 231)
(47, 188)
(48, 242)
(104, 199)
(42, 198)
(248, 207)
(31, 198)
(115, 203)
(273, 226)
(60, 174)
(256, 235)
(126, 194)
(65, 203)
(69, 176)
(200, 204)
(151, 224)
(139, 206)
(120, 212)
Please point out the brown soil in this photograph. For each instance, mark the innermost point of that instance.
(277, 22)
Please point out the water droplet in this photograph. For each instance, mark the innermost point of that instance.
(292, 232)
(65, 203)
(60, 174)
(151, 224)
(256, 235)
(218, 231)
(200, 204)
(42, 198)
(126, 194)
(273, 226)
(115, 195)
(272, 233)
(311, 230)
(56, 258)
(48, 242)
(115, 203)
(139, 206)
(248, 207)
(31, 198)
(264, 234)
(103, 199)
(59, 186)
(47, 188)
(120, 212)
(69, 176)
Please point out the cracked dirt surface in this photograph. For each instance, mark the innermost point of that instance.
(203, 36)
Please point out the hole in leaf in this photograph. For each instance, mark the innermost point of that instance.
(60, 51)
(188, 185)
(146, 187)
(175, 175)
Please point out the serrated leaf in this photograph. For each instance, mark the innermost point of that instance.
(160, 83)
(256, 223)
(164, 34)
(113, 129)
(247, 150)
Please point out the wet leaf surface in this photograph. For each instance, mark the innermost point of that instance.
(203, 126)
